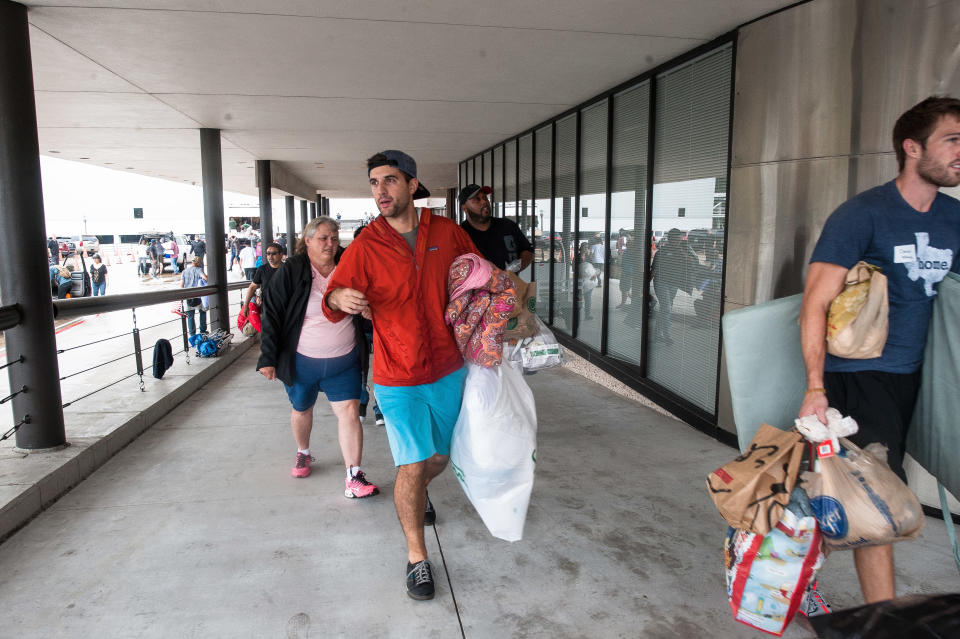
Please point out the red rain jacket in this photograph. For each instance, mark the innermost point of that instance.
(407, 292)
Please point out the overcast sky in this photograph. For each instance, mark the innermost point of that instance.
(81, 198)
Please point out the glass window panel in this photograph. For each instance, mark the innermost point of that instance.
(525, 194)
(463, 182)
(690, 167)
(487, 170)
(591, 238)
(564, 201)
(510, 181)
(496, 203)
(543, 223)
(628, 217)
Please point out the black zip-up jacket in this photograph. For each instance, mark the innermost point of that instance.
(284, 309)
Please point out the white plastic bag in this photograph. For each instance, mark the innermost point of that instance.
(858, 500)
(493, 449)
(538, 352)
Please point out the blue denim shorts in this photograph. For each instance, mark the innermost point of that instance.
(420, 419)
(337, 377)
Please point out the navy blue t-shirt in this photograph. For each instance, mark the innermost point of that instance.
(914, 250)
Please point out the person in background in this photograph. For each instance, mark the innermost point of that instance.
(174, 255)
(192, 277)
(248, 260)
(156, 258)
(199, 248)
(262, 275)
(673, 266)
(98, 276)
(143, 258)
(598, 256)
(61, 275)
(498, 239)
(234, 251)
(53, 250)
(308, 352)
(365, 394)
(588, 281)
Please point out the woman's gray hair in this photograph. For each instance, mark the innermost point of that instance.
(311, 229)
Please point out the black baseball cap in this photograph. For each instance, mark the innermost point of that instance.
(470, 190)
(405, 163)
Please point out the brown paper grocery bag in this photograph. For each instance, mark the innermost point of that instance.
(522, 322)
(752, 490)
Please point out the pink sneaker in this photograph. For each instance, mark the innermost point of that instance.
(302, 467)
(358, 487)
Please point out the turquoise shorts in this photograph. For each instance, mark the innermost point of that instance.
(420, 419)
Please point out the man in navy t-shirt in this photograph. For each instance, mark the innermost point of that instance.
(912, 232)
(498, 239)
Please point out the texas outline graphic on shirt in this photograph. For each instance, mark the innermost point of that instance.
(932, 264)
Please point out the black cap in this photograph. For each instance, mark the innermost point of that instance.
(470, 190)
(406, 164)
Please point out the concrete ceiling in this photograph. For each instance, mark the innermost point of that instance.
(320, 86)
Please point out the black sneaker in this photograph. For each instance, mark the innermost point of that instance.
(429, 514)
(363, 411)
(420, 580)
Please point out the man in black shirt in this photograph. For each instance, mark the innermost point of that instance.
(54, 247)
(263, 274)
(199, 247)
(499, 240)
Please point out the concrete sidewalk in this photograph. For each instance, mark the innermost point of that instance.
(196, 529)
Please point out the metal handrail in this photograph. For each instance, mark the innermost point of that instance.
(9, 316)
(105, 303)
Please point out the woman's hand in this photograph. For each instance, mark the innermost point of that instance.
(270, 372)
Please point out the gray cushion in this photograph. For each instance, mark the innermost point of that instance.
(761, 346)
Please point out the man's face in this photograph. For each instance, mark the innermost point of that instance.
(274, 257)
(391, 190)
(477, 208)
(940, 163)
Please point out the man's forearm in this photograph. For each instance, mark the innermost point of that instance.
(813, 342)
(249, 295)
(525, 258)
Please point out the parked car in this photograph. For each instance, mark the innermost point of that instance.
(67, 246)
(186, 253)
(88, 244)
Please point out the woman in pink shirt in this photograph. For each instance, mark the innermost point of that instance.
(309, 353)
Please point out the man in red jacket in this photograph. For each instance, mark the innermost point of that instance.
(395, 273)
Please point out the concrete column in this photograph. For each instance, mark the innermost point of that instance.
(291, 221)
(266, 207)
(303, 214)
(212, 171)
(25, 279)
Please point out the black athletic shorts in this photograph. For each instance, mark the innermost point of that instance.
(881, 403)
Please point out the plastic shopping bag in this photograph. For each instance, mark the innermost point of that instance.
(494, 444)
(540, 351)
(858, 500)
(767, 575)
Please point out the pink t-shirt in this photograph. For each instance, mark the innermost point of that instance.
(321, 338)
